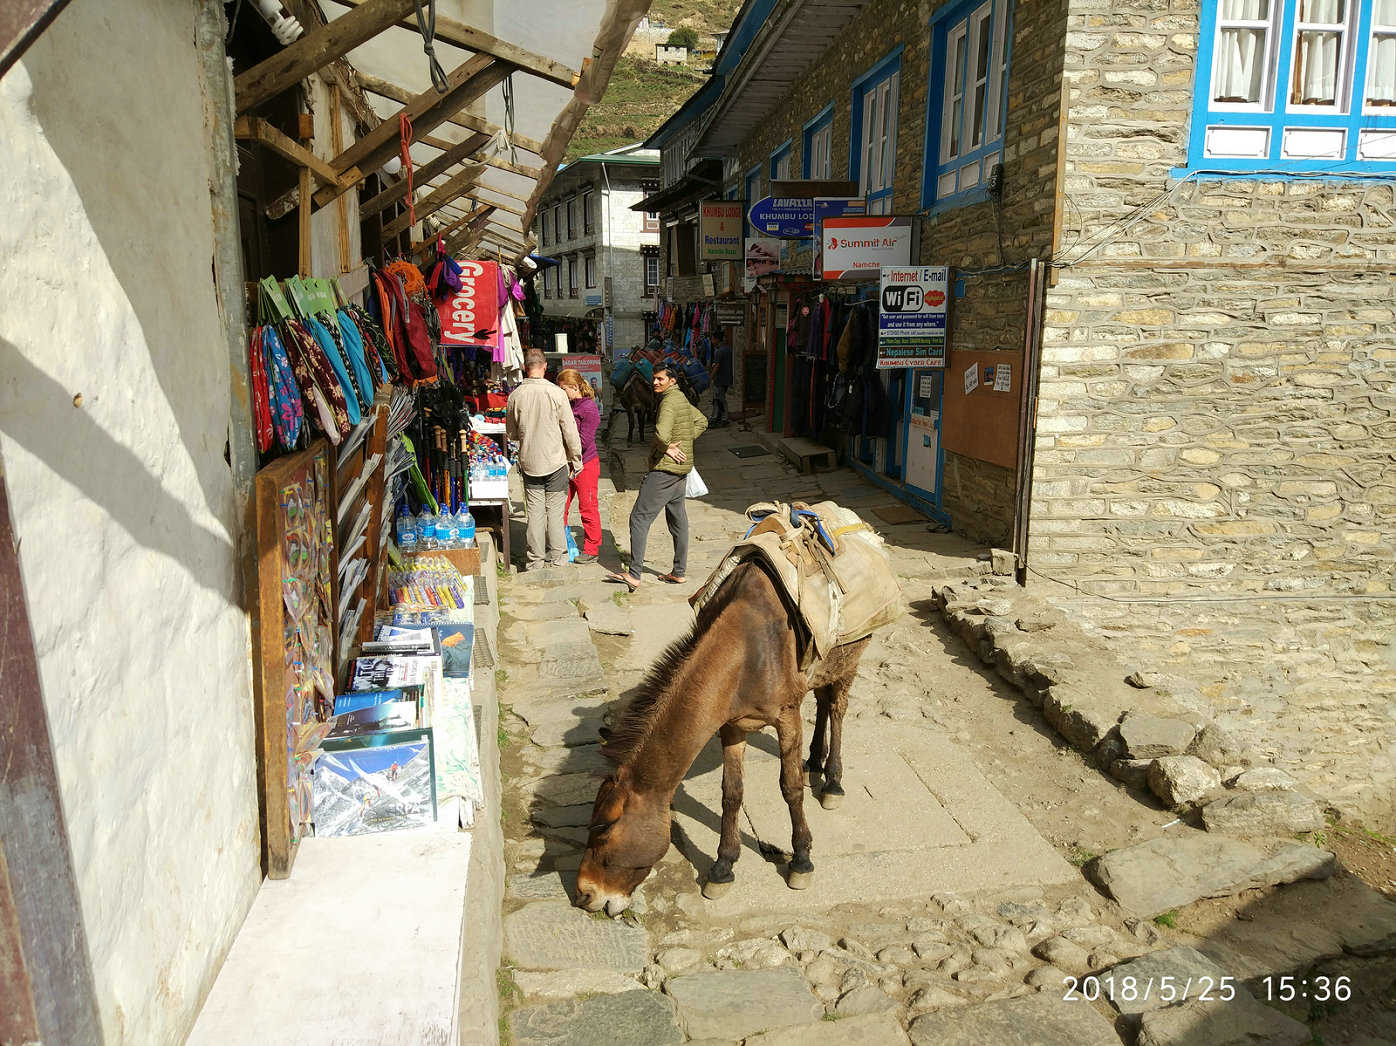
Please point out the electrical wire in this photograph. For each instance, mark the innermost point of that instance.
(426, 25)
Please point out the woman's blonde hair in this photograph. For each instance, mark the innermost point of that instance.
(574, 377)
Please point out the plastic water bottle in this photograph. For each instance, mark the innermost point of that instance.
(426, 530)
(466, 524)
(406, 531)
(447, 530)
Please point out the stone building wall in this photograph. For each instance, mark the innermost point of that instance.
(1214, 478)
(988, 235)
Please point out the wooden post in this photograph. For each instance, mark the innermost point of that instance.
(46, 989)
(305, 252)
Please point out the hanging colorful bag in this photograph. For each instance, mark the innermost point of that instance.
(261, 396)
(287, 414)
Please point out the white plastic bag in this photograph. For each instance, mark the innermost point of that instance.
(694, 487)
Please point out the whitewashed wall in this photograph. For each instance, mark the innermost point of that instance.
(124, 506)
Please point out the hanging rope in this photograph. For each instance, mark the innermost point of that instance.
(405, 134)
(508, 89)
(426, 25)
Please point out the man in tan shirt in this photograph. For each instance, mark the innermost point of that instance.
(539, 418)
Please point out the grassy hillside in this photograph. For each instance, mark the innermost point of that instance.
(640, 97)
(642, 94)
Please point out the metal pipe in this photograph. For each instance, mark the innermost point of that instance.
(1027, 418)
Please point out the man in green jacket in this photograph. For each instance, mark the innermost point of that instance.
(671, 459)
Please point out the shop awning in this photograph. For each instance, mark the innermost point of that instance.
(517, 75)
(795, 35)
(701, 180)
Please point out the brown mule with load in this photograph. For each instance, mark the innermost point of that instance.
(790, 609)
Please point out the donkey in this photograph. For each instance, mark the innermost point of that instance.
(737, 670)
(638, 399)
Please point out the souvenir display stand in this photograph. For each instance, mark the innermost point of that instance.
(362, 525)
(295, 646)
(490, 489)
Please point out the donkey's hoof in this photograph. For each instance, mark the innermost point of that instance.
(799, 880)
(831, 800)
(713, 891)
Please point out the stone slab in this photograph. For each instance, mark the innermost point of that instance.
(609, 619)
(398, 897)
(562, 816)
(569, 733)
(1263, 813)
(564, 984)
(1190, 973)
(632, 1018)
(559, 632)
(567, 789)
(1043, 1019)
(732, 1004)
(538, 886)
(954, 831)
(877, 1029)
(552, 935)
(1168, 872)
(574, 760)
(1241, 1022)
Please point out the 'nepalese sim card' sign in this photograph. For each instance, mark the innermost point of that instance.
(786, 218)
(911, 325)
(858, 248)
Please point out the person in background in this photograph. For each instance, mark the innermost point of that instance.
(671, 459)
(539, 418)
(584, 483)
(721, 371)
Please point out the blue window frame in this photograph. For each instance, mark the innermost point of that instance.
(967, 101)
(753, 193)
(872, 134)
(1295, 86)
(817, 145)
(780, 162)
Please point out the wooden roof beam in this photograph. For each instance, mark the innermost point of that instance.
(316, 49)
(398, 190)
(467, 81)
(386, 89)
(458, 186)
(458, 34)
(254, 128)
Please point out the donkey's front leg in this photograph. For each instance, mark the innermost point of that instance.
(792, 787)
(729, 848)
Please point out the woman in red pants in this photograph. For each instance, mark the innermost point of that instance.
(583, 484)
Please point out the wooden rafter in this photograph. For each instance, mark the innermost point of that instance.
(316, 49)
(468, 81)
(398, 190)
(458, 185)
(385, 89)
(458, 34)
(254, 128)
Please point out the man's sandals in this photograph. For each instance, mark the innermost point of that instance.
(623, 579)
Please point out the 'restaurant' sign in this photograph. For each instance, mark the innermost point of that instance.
(720, 228)
(858, 248)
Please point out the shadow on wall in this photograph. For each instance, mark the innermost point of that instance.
(144, 190)
(31, 406)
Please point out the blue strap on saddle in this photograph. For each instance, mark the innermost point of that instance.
(796, 516)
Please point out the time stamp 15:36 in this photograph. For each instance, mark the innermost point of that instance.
(1167, 988)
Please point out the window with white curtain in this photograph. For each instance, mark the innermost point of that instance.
(965, 121)
(1381, 57)
(1297, 86)
(874, 159)
(818, 145)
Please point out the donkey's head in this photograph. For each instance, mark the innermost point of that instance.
(629, 833)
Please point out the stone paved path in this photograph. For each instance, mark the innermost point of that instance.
(939, 914)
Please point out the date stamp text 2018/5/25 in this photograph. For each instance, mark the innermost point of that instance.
(1165, 988)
